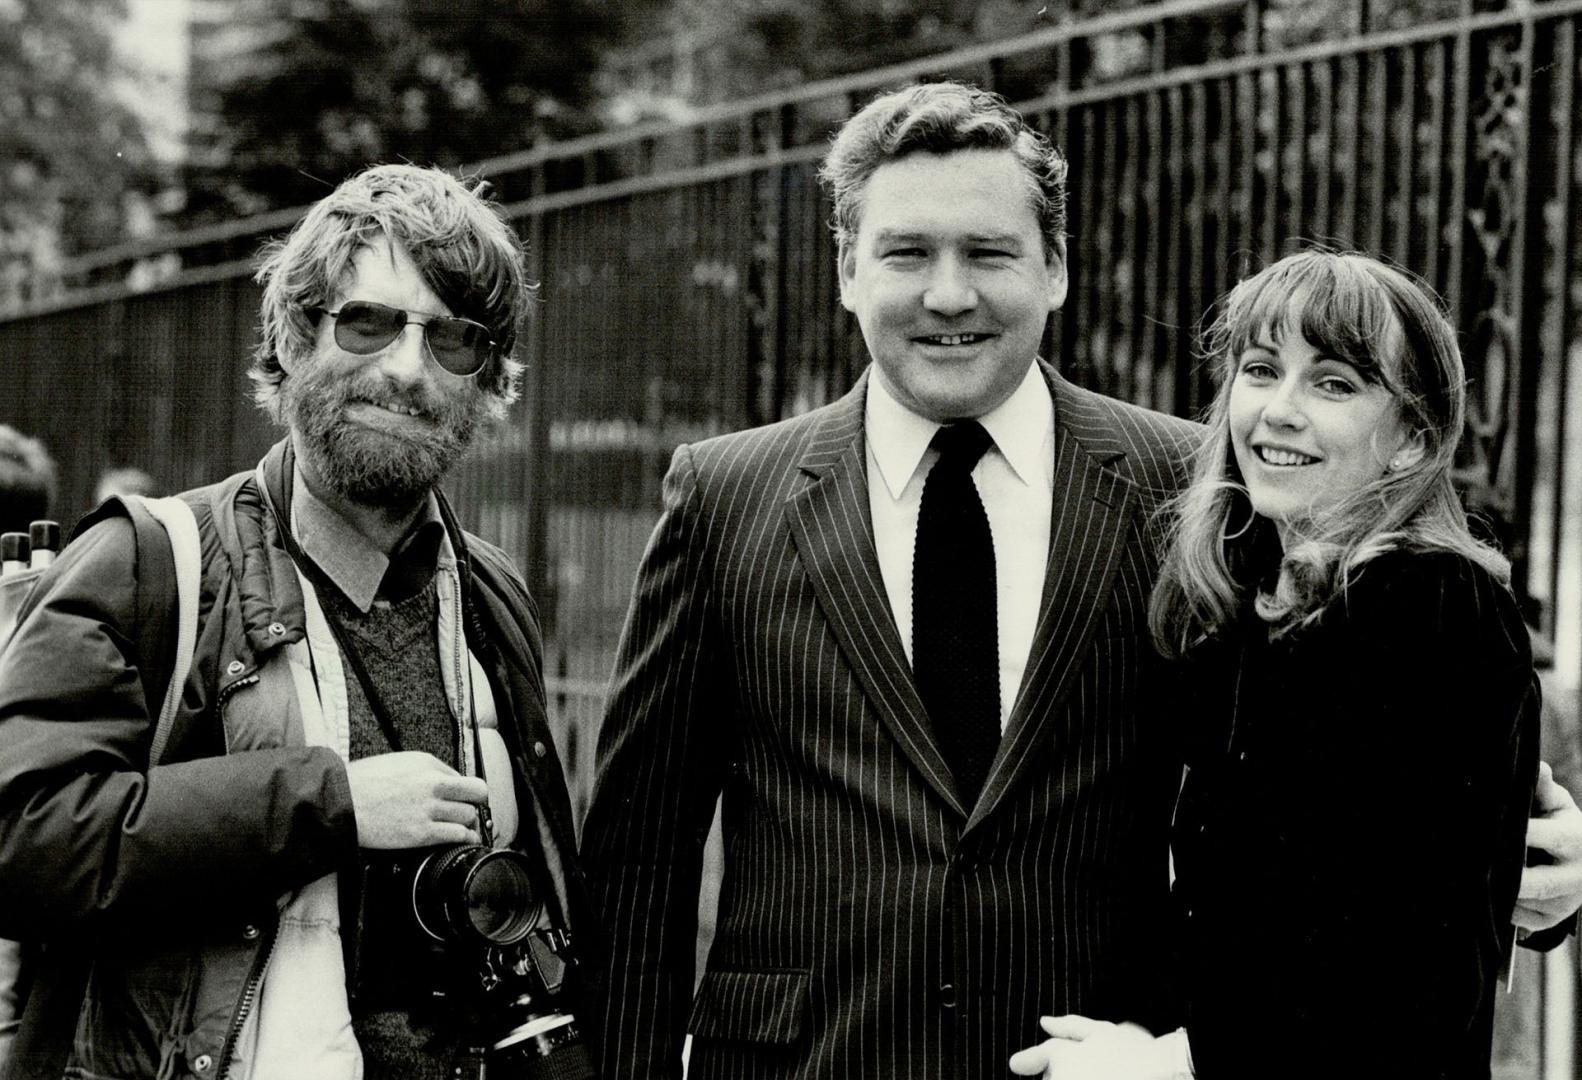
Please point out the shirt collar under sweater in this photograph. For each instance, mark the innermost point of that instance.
(356, 566)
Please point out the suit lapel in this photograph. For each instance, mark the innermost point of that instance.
(1090, 514)
(832, 526)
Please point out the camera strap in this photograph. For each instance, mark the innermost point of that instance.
(349, 654)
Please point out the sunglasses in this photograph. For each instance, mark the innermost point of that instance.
(362, 327)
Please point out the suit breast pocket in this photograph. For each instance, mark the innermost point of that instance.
(765, 1007)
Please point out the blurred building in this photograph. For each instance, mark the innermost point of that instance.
(153, 51)
(178, 54)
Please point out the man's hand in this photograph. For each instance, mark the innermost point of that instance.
(1551, 891)
(412, 799)
(1083, 1049)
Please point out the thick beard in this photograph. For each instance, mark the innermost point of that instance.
(375, 468)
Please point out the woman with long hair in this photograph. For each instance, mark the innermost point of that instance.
(1361, 728)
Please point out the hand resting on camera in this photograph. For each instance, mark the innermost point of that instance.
(412, 799)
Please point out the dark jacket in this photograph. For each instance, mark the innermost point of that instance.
(167, 878)
(1350, 836)
(872, 922)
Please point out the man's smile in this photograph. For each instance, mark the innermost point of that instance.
(952, 339)
(394, 408)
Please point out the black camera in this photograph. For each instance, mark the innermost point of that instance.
(503, 963)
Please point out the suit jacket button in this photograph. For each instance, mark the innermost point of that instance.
(947, 996)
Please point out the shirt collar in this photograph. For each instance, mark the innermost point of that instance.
(898, 437)
(1021, 425)
(346, 556)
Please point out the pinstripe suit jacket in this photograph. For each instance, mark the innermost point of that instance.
(870, 923)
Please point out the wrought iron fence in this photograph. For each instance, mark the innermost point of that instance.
(688, 282)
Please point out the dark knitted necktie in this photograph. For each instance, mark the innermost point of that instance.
(955, 640)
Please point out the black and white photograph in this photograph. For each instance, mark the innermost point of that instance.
(790, 539)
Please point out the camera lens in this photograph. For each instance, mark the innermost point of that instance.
(545, 1047)
(478, 894)
(500, 900)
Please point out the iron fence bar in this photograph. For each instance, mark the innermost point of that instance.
(1134, 221)
(1186, 381)
(692, 176)
(1406, 162)
(209, 234)
(1564, 315)
(1299, 129)
(1457, 79)
(1162, 377)
(1247, 165)
(787, 245)
(1225, 216)
(1092, 265)
(1269, 172)
(1438, 136)
(102, 294)
(1161, 301)
(1324, 167)
(1111, 241)
(1526, 263)
(1378, 83)
(1348, 148)
(540, 384)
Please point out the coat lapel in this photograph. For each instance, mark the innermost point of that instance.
(1092, 508)
(832, 526)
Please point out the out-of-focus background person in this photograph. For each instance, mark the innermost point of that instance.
(27, 480)
(125, 480)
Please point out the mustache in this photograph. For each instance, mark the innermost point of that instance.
(380, 390)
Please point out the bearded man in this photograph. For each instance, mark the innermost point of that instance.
(248, 899)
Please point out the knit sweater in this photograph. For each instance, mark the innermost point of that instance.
(393, 971)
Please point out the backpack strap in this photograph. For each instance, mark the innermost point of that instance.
(182, 529)
(52, 987)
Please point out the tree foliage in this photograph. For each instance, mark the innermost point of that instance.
(319, 88)
(789, 41)
(759, 44)
(69, 150)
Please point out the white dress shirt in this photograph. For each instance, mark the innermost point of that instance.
(1015, 479)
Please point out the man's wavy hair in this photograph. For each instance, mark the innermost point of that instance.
(941, 118)
(1388, 326)
(461, 245)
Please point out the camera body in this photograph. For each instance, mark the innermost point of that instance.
(495, 954)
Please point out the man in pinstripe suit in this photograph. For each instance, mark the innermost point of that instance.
(874, 921)
(882, 916)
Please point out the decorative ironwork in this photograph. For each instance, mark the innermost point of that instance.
(1488, 299)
